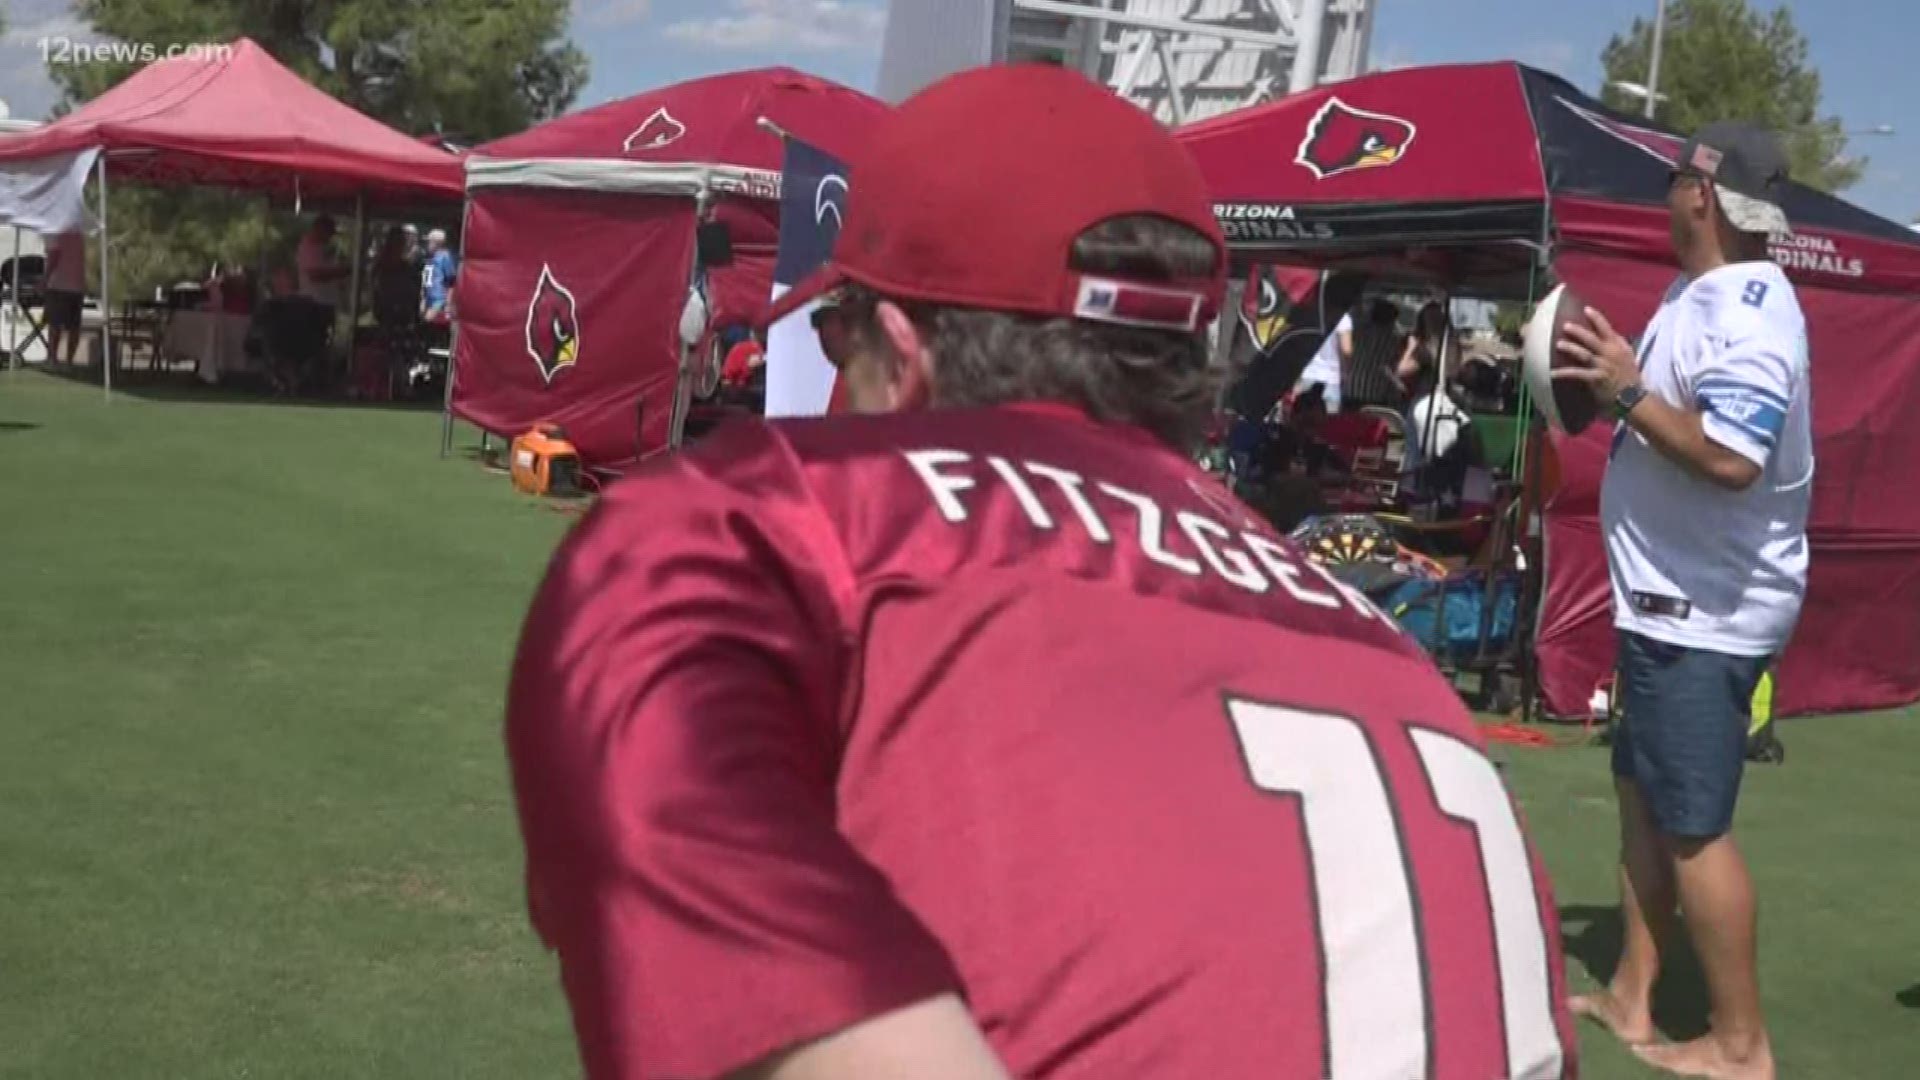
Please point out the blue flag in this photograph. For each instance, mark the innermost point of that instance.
(813, 200)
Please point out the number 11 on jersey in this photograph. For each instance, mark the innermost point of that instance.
(1377, 997)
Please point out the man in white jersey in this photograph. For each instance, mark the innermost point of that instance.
(1705, 512)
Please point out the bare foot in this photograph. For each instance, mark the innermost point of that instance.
(1708, 1057)
(1631, 1026)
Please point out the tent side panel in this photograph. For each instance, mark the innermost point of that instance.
(1812, 258)
(611, 271)
(1860, 630)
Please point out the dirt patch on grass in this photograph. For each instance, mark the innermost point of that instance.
(409, 889)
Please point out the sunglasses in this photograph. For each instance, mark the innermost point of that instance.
(829, 325)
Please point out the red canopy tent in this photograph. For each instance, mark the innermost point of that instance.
(581, 246)
(1490, 174)
(234, 117)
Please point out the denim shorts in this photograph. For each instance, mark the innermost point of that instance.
(1682, 734)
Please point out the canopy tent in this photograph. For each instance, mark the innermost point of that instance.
(232, 117)
(1489, 174)
(236, 118)
(585, 235)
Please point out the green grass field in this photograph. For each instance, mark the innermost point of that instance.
(254, 819)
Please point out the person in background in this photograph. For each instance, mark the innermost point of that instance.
(66, 292)
(1432, 334)
(1704, 512)
(1407, 370)
(436, 282)
(414, 255)
(1441, 442)
(230, 288)
(1330, 360)
(394, 282)
(1436, 421)
(320, 266)
(1371, 376)
(1427, 368)
(744, 358)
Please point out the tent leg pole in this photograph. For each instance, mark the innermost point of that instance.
(446, 401)
(691, 363)
(353, 283)
(677, 411)
(446, 414)
(677, 420)
(1431, 429)
(13, 314)
(453, 341)
(1533, 580)
(696, 277)
(263, 254)
(106, 287)
(1528, 472)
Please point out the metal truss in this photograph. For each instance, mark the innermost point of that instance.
(1186, 60)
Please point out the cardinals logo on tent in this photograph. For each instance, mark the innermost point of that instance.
(553, 326)
(1343, 139)
(660, 130)
(1265, 309)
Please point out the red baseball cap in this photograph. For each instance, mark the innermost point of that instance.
(972, 194)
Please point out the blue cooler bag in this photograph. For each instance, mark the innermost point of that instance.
(1418, 607)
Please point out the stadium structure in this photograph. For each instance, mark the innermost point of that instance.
(1183, 60)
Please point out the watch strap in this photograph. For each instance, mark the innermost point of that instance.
(1627, 400)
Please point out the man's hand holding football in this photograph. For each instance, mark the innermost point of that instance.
(1607, 363)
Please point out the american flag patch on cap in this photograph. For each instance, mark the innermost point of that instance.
(1706, 160)
(1127, 304)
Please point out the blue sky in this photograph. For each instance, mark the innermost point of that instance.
(1863, 49)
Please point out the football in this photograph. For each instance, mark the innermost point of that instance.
(1567, 404)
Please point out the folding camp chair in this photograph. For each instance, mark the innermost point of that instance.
(24, 280)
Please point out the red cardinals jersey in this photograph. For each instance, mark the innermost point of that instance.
(829, 717)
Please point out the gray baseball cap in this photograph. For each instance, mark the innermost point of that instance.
(1749, 171)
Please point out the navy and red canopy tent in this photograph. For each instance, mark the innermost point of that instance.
(1486, 174)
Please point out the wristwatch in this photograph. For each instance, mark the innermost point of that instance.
(1627, 400)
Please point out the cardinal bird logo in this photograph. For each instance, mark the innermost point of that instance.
(553, 326)
(1343, 139)
(1264, 311)
(659, 131)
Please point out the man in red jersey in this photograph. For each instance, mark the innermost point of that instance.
(989, 737)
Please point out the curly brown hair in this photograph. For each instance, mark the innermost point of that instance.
(1153, 379)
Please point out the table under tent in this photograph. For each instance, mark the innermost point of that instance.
(231, 117)
(1492, 180)
(586, 237)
